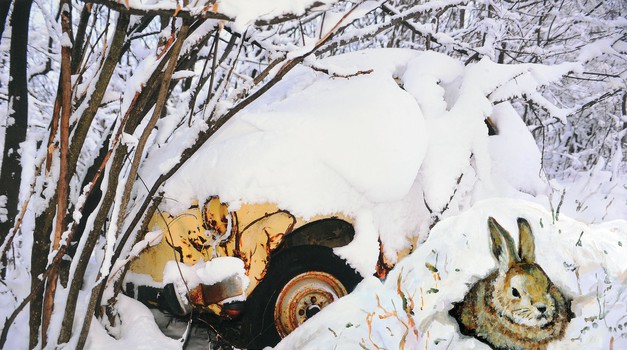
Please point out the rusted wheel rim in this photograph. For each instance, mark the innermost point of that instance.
(302, 297)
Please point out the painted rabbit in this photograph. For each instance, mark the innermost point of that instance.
(516, 306)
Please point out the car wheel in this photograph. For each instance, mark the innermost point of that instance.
(299, 283)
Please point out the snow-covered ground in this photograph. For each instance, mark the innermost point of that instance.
(587, 262)
(410, 308)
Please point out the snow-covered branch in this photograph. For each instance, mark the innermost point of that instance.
(209, 9)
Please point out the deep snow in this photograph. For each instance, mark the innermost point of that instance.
(585, 261)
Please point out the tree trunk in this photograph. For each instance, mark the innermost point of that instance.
(17, 121)
(39, 261)
(90, 244)
(78, 48)
(15, 133)
(5, 5)
(86, 118)
(65, 90)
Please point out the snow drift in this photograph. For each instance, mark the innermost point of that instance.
(410, 309)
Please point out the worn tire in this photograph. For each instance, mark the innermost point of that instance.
(284, 270)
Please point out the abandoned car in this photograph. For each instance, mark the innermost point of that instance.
(257, 267)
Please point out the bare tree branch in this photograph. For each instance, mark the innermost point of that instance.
(65, 85)
(161, 99)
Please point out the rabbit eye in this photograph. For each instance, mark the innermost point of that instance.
(515, 293)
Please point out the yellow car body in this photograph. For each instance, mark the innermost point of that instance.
(252, 233)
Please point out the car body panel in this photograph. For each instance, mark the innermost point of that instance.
(251, 233)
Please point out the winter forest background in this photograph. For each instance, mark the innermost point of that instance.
(105, 102)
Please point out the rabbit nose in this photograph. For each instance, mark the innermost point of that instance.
(541, 308)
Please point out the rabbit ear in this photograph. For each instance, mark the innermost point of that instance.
(527, 247)
(503, 247)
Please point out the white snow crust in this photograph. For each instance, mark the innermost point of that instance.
(138, 330)
(211, 272)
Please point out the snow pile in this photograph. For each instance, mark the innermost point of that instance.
(138, 331)
(315, 145)
(208, 273)
(411, 307)
(596, 196)
(514, 153)
(394, 145)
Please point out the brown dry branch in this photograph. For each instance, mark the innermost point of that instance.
(9, 240)
(408, 307)
(369, 319)
(63, 183)
(336, 75)
(54, 126)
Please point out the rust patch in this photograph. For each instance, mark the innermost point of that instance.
(215, 293)
(196, 296)
(197, 239)
(215, 216)
(383, 265)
